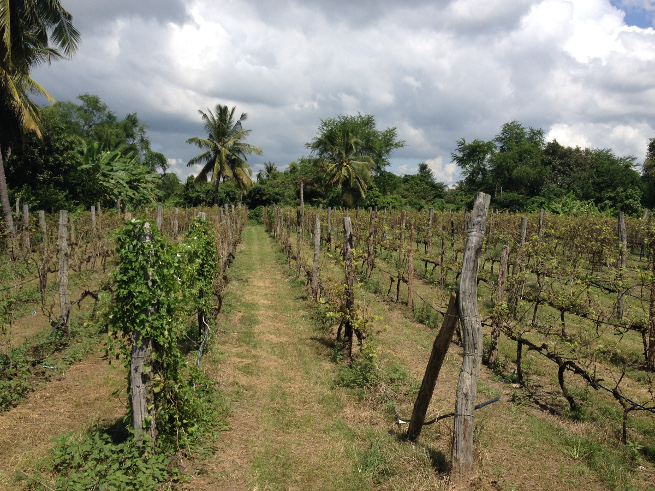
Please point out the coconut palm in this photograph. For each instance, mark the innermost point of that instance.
(31, 33)
(225, 151)
(344, 168)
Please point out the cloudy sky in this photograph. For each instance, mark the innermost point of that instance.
(437, 70)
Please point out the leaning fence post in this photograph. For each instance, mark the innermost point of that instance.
(462, 449)
(439, 350)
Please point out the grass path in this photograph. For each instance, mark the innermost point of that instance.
(288, 424)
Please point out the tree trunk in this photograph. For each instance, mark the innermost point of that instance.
(439, 350)
(462, 449)
(6, 207)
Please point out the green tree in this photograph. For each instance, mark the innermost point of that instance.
(31, 33)
(648, 174)
(474, 160)
(345, 166)
(225, 150)
(516, 163)
(93, 119)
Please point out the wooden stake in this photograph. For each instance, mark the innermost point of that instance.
(462, 450)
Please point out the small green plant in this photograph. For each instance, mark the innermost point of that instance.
(97, 462)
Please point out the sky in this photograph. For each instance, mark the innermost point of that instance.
(438, 71)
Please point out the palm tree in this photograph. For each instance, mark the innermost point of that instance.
(31, 33)
(226, 151)
(344, 167)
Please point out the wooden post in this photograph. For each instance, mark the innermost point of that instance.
(329, 229)
(43, 249)
(160, 216)
(439, 350)
(317, 250)
(298, 239)
(410, 272)
(428, 245)
(623, 253)
(142, 395)
(370, 244)
(43, 227)
(27, 245)
(492, 358)
(650, 348)
(462, 450)
(401, 244)
(350, 293)
(64, 294)
(176, 223)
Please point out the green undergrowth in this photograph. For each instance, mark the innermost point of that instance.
(40, 358)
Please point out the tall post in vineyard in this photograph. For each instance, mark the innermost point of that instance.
(141, 390)
(160, 216)
(64, 294)
(462, 449)
(410, 272)
(650, 348)
(496, 323)
(27, 245)
(298, 239)
(43, 250)
(370, 244)
(329, 229)
(428, 243)
(401, 244)
(317, 250)
(350, 293)
(623, 253)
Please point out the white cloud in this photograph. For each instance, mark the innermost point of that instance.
(437, 70)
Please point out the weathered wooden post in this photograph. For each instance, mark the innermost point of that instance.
(492, 358)
(350, 293)
(43, 249)
(27, 245)
(141, 391)
(317, 250)
(462, 449)
(410, 272)
(401, 243)
(64, 294)
(439, 350)
(623, 254)
(298, 240)
(370, 244)
(160, 216)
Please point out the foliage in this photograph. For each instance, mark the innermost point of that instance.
(153, 309)
(225, 150)
(351, 148)
(119, 175)
(518, 161)
(199, 271)
(97, 462)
